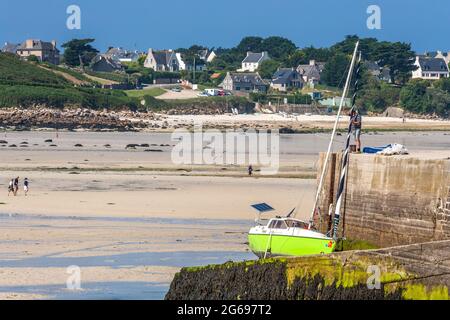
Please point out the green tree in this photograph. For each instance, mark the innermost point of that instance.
(268, 68)
(335, 69)
(33, 58)
(79, 49)
(253, 44)
(443, 84)
(376, 95)
(398, 57)
(413, 96)
(296, 58)
(437, 101)
(141, 60)
(278, 48)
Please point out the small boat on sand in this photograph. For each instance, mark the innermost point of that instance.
(287, 236)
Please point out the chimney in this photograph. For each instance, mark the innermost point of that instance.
(54, 44)
(312, 62)
(29, 43)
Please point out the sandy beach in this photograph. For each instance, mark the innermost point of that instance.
(130, 219)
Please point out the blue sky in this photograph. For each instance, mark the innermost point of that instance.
(142, 24)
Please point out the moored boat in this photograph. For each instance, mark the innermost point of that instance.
(288, 237)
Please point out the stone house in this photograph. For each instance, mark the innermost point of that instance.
(104, 63)
(10, 47)
(122, 55)
(311, 72)
(285, 79)
(163, 60)
(44, 51)
(381, 73)
(247, 82)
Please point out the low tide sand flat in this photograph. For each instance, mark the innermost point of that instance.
(131, 219)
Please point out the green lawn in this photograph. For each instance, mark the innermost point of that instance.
(154, 92)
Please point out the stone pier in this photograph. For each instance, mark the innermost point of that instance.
(389, 201)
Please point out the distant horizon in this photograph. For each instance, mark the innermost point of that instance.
(152, 25)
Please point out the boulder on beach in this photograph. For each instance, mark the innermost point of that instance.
(394, 112)
(49, 141)
(78, 145)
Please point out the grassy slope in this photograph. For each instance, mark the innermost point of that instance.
(14, 71)
(26, 84)
(153, 92)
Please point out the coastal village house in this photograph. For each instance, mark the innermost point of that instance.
(381, 73)
(207, 55)
(285, 79)
(203, 58)
(163, 60)
(10, 47)
(122, 55)
(253, 60)
(248, 82)
(44, 51)
(440, 54)
(311, 72)
(430, 68)
(104, 63)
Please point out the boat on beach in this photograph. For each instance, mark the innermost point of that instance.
(287, 236)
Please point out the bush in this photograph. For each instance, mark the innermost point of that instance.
(28, 96)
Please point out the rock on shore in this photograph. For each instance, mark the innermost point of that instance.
(25, 119)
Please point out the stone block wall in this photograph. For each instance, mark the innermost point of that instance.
(389, 201)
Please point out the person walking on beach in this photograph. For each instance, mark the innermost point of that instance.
(25, 186)
(356, 122)
(11, 187)
(250, 170)
(16, 186)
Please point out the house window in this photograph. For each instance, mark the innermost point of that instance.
(238, 88)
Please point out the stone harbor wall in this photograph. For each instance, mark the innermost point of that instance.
(389, 201)
(420, 271)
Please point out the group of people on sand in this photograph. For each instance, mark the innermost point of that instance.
(14, 186)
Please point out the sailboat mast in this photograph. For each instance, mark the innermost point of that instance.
(333, 134)
(345, 157)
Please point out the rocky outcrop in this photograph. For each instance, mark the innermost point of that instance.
(420, 271)
(26, 119)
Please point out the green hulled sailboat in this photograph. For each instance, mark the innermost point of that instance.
(286, 236)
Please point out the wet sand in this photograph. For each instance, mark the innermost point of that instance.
(130, 219)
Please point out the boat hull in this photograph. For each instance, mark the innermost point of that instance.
(285, 245)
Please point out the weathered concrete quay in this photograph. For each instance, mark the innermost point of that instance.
(390, 201)
(399, 203)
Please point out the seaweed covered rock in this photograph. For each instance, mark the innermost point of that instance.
(419, 271)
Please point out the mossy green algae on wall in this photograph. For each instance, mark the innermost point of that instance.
(337, 276)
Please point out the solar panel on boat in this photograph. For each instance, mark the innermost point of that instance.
(262, 207)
